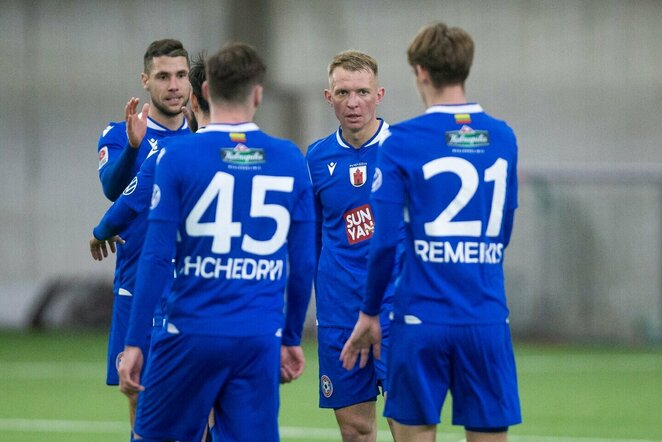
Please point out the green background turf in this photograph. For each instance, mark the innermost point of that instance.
(52, 389)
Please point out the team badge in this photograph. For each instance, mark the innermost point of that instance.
(468, 138)
(327, 386)
(103, 156)
(357, 174)
(118, 360)
(359, 224)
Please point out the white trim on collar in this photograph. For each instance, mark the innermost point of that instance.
(156, 126)
(221, 127)
(374, 140)
(470, 108)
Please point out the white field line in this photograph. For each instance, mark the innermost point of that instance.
(578, 364)
(294, 433)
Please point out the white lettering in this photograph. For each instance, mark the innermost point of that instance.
(464, 252)
(232, 268)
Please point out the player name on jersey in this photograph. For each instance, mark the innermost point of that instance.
(208, 267)
(467, 252)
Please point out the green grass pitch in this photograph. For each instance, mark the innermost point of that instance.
(52, 389)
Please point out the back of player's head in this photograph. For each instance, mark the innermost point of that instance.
(446, 53)
(233, 71)
(353, 61)
(167, 47)
(197, 76)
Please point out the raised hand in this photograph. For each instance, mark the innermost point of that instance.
(136, 124)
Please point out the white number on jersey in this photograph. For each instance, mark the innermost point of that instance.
(444, 225)
(223, 229)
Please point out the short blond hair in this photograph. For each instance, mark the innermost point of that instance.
(353, 61)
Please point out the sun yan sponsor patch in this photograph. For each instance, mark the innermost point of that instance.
(359, 223)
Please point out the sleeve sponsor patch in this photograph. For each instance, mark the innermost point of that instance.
(103, 156)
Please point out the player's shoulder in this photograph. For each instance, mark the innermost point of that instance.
(113, 130)
(321, 146)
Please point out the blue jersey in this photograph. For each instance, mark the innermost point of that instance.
(342, 177)
(127, 217)
(118, 162)
(453, 171)
(229, 201)
(112, 145)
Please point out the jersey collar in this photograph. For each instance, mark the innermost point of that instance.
(469, 108)
(152, 124)
(383, 126)
(224, 127)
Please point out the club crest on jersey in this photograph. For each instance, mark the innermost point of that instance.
(242, 154)
(103, 156)
(467, 138)
(326, 385)
(359, 223)
(357, 174)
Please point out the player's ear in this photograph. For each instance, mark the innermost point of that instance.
(144, 79)
(205, 91)
(380, 94)
(257, 95)
(195, 104)
(327, 96)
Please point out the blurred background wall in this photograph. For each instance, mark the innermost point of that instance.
(579, 81)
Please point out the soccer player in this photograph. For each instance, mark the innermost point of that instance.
(341, 167)
(451, 175)
(122, 149)
(234, 206)
(129, 213)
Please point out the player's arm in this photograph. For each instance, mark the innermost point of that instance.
(381, 261)
(299, 284)
(154, 272)
(117, 173)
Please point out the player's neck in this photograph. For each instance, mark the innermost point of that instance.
(453, 94)
(231, 114)
(173, 122)
(358, 138)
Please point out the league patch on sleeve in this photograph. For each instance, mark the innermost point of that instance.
(360, 224)
(131, 187)
(103, 156)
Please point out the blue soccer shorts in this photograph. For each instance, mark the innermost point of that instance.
(187, 375)
(118, 328)
(476, 363)
(339, 388)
